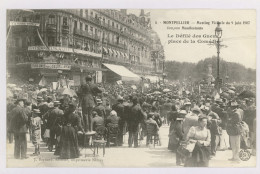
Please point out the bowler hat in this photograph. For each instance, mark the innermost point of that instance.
(88, 78)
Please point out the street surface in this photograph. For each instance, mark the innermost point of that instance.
(123, 156)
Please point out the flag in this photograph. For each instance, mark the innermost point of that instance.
(217, 96)
(43, 81)
(41, 39)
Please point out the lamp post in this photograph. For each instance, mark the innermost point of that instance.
(218, 34)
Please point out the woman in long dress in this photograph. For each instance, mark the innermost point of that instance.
(69, 138)
(201, 153)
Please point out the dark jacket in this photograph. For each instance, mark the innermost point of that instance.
(87, 92)
(19, 122)
(100, 109)
(135, 116)
(120, 109)
(233, 121)
(54, 118)
(112, 120)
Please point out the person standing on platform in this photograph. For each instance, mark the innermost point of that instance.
(19, 126)
(87, 94)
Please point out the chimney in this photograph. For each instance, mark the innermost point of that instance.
(123, 11)
(142, 12)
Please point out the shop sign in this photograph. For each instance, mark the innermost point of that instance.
(15, 23)
(52, 48)
(51, 66)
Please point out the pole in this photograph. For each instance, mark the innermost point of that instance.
(218, 85)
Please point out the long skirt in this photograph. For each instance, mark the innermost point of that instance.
(69, 143)
(200, 157)
(36, 137)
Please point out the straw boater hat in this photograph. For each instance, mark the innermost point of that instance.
(181, 115)
(99, 101)
(36, 111)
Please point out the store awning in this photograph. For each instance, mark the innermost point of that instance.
(122, 71)
(105, 50)
(110, 51)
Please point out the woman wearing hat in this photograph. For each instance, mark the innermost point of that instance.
(69, 140)
(201, 153)
(36, 130)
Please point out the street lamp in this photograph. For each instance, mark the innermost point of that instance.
(218, 34)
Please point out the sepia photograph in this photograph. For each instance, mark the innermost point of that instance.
(131, 88)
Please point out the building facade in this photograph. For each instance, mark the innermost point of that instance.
(71, 43)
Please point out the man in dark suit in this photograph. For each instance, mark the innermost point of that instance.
(135, 117)
(87, 93)
(54, 123)
(19, 125)
(120, 110)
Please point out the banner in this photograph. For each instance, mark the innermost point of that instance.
(50, 66)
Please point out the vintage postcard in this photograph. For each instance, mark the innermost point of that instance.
(130, 88)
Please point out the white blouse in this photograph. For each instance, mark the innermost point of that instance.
(202, 135)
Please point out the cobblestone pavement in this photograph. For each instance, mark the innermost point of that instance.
(123, 156)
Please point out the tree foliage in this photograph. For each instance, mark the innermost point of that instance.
(198, 71)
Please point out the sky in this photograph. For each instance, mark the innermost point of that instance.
(239, 40)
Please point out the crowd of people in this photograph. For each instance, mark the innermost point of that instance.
(199, 123)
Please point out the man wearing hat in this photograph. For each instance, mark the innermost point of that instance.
(178, 130)
(54, 124)
(120, 110)
(233, 131)
(87, 92)
(36, 130)
(135, 116)
(19, 126)
(100, 109)
(224, 138)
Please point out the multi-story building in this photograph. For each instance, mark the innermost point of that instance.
(70, 43)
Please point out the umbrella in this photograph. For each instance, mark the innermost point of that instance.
(133, 87)
(166, 90)
(231, 91)
(232, 88)
(43, 89)
(17, 89)
(246, 94)
(67, 91)
(156, 92)
(226, 95)
(11, 85)
(9, 93)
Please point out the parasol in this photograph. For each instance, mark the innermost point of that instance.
(67, 91)
(43, 89)
(17, 89)
(246, 94)
(166, 90)
(156, 92)
(133, 87)
(11, 85)
(231, 91)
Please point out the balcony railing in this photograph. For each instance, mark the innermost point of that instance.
(65, 29)
(86, 34)
(51, 27)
